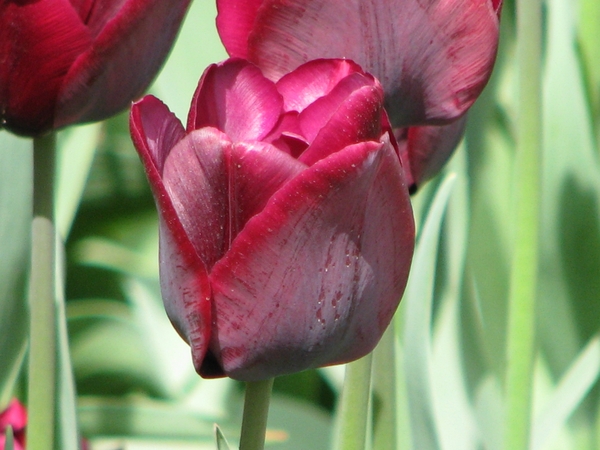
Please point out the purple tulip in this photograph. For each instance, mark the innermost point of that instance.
(432, 57)
(286, 231)
(73, 61)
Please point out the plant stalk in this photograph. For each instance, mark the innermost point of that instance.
(256, 411)
(355, 405)
(42, 291)
(521, 319)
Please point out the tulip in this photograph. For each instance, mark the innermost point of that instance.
(72, 61)
(286, 231)
(432, 57)
(15, 416)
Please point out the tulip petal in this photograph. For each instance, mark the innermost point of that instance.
(237, 99)
(184, 277)
(38, 43)
(433, 57)
(425, 150)
(216, 186)
(355, 119)
(237, 20)
(313, 80)
(138, 38)
(315, 278)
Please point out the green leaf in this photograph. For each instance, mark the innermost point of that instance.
(66, 436)
(417, 303)
(453, 414)
(570, 392)
(570, 241)
(15, 236)
(76, 149)
(220, 438)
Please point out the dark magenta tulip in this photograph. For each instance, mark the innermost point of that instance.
(15, 416)
(286, 231)
(73, 61)
(432, 57)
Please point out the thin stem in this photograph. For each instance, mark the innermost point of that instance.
(384, 381)
(256, 411)
(521, 333)
(42, 341)
(354, 410)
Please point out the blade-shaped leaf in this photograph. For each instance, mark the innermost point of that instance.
(220, 438)
(418, 301)
(570, 392)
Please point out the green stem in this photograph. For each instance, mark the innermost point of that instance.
(42, 289)
(256, 411)
(354, 410)
(521, 322)
(384, 382)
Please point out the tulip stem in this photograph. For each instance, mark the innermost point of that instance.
(384, 387)
(355, 405)
(521, 319)
(256, 411)
(42, 333)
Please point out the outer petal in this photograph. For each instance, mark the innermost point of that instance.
(236, 98)
(121, 63)
(316, 277)
(216, 186)
(38, 43)
(235, 21)
(433, 57)
(425, 150)
(184, 279)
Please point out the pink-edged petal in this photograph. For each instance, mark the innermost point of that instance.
(256, 171)
(234, 22)
(155, 130)
(433, 57)
(216, 186)
(184, 277)
(425, 150)
(315, 278)
(356, 119)
(313, 80)
(236, 98)
(195, 179)
(314, 117)
(122, 61)
(39, 41)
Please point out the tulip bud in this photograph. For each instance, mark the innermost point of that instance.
(65, 61)
(286, 231)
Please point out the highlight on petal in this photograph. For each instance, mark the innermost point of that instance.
(155, 131)
(184, 276)
(124, 58)
(433, 57)
(237, 99)
(315, 278)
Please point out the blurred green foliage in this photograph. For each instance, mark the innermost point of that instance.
(135, 382)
